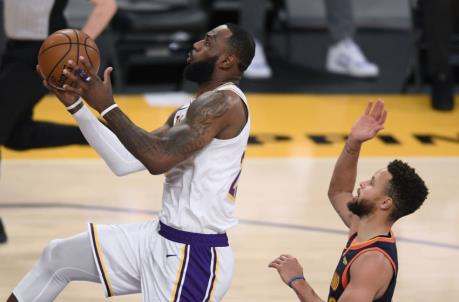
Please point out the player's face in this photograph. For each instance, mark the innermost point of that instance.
(369, 193)
(200, 72)
(205, 53)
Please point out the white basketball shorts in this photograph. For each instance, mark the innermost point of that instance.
(163, 263)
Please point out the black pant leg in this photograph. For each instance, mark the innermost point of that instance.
(437, 22)
(438, 28)
(39, 134)
(20, 90)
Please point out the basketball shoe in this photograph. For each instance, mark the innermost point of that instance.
(347, 58)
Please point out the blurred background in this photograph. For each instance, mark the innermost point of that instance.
(317, 64)
(147, 42)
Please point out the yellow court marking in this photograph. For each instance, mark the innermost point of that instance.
(297, 125)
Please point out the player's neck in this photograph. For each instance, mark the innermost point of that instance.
(370, 227)
(211, 85)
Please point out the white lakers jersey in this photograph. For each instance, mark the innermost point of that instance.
(199, 193)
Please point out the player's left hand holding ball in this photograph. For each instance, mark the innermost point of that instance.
(97, 93)
(66, 97)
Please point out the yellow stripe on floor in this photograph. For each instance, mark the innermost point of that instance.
(296, 125)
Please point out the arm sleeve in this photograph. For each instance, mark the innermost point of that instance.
(107, 144)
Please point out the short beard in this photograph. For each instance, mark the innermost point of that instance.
(200, 72)
(360, 208)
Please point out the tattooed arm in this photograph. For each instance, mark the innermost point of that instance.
(213, 114)
(208, 116)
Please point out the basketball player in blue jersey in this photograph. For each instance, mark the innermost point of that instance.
(184, 255)
(367, 268)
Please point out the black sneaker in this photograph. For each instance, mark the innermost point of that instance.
(443, 93)
(3, 237)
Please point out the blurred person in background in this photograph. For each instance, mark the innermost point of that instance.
(440, 18)
(344, 56)
(27, 23)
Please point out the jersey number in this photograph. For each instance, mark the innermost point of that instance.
(233, 189)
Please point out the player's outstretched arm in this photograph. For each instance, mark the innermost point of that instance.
(100, 16)
(291, 273)
(207, 116)
(344, 175)
(103, 140)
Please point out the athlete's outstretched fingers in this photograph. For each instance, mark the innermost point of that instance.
(71, 76)
(107, 77)
(70, 71)
(383, 117)
(75, 73)
(378, 109)
(91, 70)
(368, 109)
(71, 65)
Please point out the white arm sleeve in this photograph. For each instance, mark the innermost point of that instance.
(106, 144)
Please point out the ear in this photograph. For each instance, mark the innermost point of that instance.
(227, 61)
(386, 203)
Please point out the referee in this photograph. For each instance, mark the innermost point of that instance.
(27, 23)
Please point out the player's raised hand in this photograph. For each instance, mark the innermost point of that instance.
(287, 266)
(67, 98)
(87, 84)
(370, 123)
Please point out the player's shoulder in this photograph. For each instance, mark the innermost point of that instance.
(372, 260)
(223, 99)
(226, 94)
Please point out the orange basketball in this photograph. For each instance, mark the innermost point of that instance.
(64, 45)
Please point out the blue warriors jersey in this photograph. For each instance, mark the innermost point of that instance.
(341, 278)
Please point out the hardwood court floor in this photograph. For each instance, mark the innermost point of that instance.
(281, 203)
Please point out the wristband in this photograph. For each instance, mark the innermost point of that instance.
(77, 102)
(293, 279)
(108, 109)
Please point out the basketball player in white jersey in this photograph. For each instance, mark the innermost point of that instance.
(184, 255)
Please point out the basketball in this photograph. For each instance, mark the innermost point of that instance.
(64, 45)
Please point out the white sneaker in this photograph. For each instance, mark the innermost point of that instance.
(347, 58)
(259, 68)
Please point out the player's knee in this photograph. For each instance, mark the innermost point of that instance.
(51, 257)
